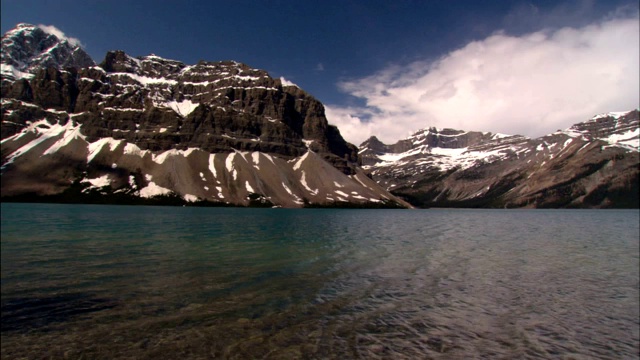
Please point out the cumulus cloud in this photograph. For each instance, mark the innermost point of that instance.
(532, 85)
(50, 29)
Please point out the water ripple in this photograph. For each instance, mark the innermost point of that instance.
(152, 282)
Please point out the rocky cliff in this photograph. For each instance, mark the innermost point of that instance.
(149, 127)
(593, 164)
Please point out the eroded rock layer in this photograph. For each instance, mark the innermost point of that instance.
(145, 127)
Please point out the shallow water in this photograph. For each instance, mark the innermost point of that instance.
(104, 282)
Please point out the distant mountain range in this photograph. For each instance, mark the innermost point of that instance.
(593, 164)
(153, 130)
(149, 130)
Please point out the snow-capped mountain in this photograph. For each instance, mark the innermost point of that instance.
(28, 48)
(591, 164)
(135, 128)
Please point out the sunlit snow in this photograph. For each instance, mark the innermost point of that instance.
(99, 181)
(153, 190)
(133, 149)
(613, 114)
(298, 163)
(96, 146)
(190, 198)
(249, 188)
(303, 181)
(230, 166)
(212, 167)
(182, 108)
(45, 132)
(160, 158)
(629, 138)
(10, 71)
(286, 82)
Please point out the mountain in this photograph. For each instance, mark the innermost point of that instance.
(151, 130)
(593, 164)
(28, 48)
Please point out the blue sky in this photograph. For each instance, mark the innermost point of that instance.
(375, 63)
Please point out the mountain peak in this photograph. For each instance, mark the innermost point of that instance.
(612, 114)
(22, 26)
(19, 28)
(28, 48)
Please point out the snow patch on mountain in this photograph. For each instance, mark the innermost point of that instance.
(299, 162)
(286, 82)
(96, 146)
(303, 181)
(212, 167)
(44, 131)
(629, 139)
(133, 149)
(182, 108)
(613, 114)
(71, 133)
(162, 157)
(190, 198)
(248, 187)
(152, 190)
(229, 165)
(11, 72)
(144, 80)
(99, 181)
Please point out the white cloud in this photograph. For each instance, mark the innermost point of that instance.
(532, 85)
(286, 82)
(50, 29)
(352, 124)
(320, 67)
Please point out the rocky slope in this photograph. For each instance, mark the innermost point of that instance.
(593, 164)
(152, 128)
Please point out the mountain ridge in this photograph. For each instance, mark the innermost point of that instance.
(220, 132)
(590, 164)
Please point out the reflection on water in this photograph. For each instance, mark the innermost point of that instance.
(156, 282)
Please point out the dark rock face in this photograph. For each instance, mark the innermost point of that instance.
(160, 104)
(594, 164)
(153, 105)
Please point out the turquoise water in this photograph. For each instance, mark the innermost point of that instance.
(104, 282)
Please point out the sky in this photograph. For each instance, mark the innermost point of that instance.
(389, 68)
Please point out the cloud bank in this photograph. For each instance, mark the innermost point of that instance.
(531, 85)
(50, 29)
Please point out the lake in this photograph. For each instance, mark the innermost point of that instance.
(116, 282)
